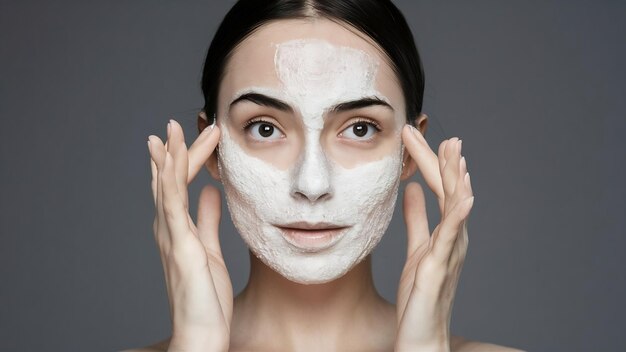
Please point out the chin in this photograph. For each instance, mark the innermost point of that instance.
(314, 268)
(311, 271)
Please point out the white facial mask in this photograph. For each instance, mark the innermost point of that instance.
(314, 75)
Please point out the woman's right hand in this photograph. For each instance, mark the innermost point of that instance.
(198, 286)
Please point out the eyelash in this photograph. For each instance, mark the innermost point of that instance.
(372, 123)
(368, 122)
(257, 120)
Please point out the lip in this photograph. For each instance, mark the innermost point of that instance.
(311, 237)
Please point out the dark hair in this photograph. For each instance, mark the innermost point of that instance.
(379, 19)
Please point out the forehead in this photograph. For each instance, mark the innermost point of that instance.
(254, 62)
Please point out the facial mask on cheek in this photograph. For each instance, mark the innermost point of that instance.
(314, 75)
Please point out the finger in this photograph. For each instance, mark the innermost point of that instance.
(457, 257)
(153, 183)
(456, 178)
(209, 212)
(452, 147)
(157, 150)
(415, 217)
(425, 158)
(463, 166)
(201, 150)
(441, 155)
(450, 173)
(449, 229)
(463, 185)
(463, 191)
(178, 149)
(466, 177)
(175, 213)
(468, 184)
(444, 154)
(154, 173)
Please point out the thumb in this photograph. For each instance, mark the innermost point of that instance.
(415, 217)
(209, 212)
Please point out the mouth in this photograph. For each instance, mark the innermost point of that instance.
(312, 237)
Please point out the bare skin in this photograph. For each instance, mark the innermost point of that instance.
(273, 313)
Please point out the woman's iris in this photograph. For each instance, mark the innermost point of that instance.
(266, 130)
(360, 129)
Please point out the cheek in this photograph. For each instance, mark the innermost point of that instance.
(248, 181)
(351, 154)
(279, 152)
(370, 172)
(370, 187)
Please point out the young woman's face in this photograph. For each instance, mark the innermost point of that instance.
(310, 155)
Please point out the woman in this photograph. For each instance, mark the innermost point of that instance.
(316, 106)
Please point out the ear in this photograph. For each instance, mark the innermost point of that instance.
(409, 166)
(211, 163)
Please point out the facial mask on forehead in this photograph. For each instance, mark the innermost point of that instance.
(314, 75)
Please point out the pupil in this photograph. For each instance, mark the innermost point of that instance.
(360, 129)
(266, 130)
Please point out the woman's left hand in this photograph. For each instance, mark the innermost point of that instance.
(433, 266)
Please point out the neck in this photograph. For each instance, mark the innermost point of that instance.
(271, 305)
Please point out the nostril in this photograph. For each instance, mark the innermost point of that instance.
(324, 196)
(311, 197)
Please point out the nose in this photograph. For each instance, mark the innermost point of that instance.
(312, 174)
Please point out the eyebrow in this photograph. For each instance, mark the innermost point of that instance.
(264, 100)
(360, 103)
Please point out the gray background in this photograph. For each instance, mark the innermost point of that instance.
(534, 88)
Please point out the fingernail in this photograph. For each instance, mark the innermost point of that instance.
(460, 145)
(467, 178)
(149, 147)
(169, 124)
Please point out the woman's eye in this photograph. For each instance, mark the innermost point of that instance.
(264, 131)
(360, 131)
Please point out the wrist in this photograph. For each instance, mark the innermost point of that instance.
(195, 341)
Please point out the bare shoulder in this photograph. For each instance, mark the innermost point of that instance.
(160, 346)
(460, 344)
